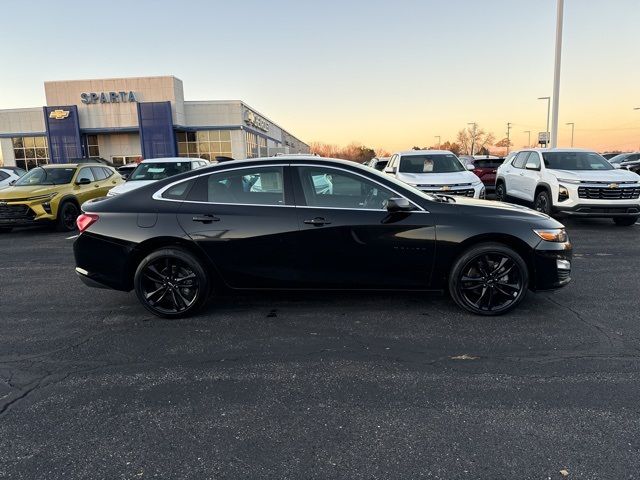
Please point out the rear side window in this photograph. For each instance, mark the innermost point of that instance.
(255, 186)
(178, 191)
(3, 175)
(107, 172)
(98, 173)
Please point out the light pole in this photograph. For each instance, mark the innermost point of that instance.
(528, 141)
(556, 74)
(573, 126)
(473, 136)
(438, 137)
(548, 99)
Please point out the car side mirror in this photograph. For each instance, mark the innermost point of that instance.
(12, 182)
(532, 166)
(83, 181)
(617, 166)
(399, 204)
(390, 170)
(470, 167)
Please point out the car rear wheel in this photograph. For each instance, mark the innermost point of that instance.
(171, 283)
(67, 215)
(489, 279)
(501, 192)
(542, 202)
(625, 221)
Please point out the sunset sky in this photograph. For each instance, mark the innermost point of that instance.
(389, 74)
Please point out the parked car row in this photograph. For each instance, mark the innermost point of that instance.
(53, 194)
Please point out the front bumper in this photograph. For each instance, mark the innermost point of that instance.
(21, 214)
(600, 211)
(552, 265)
(598, 200)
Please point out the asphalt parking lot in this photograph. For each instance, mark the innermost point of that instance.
(320, 386)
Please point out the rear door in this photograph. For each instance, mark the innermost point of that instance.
(245, 221)
(349, 240)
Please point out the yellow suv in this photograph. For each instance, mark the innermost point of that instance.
(53, 194)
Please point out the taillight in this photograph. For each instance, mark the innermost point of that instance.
(85, 220)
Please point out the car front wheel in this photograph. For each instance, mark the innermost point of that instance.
(489, 279)
(67, 216)
(171, 283)
(542, 202)
(625, 221)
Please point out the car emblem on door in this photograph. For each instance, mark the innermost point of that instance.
(613, 185)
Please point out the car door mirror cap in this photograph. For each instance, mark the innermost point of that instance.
(470, 167)
(399, 204)
(532, 166)
(83, 181)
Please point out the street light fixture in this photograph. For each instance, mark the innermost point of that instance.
(573, 126)
(548, 99)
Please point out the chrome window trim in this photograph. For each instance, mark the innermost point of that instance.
(158, 194)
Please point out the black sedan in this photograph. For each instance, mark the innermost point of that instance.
(313, 223)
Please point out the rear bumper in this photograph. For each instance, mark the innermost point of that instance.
(600, 211)
(552, 265)
(102, 262)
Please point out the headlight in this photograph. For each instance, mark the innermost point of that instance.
(563, 193)
(41, 198)
(558, 235)
(569, 180)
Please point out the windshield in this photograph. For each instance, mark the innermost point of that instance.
(619, 158)
(441, 163)
(158, 171)
(46, 176)
(575, 161)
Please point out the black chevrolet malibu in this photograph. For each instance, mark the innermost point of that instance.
(313, 223)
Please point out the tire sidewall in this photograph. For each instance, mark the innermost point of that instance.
(543, 193)
(189, 259)
(475, 251)
(60, 225)
(501, 187)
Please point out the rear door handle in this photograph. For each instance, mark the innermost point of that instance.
(205, 218)
(318, 221)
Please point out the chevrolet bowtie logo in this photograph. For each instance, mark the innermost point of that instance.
(613, 185)
(59, 114)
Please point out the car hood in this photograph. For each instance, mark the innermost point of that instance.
(438, 178)
(21, 192)
(596, 175)
(128, 186)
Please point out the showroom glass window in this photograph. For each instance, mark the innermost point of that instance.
(252, 145)
(206, 144)
(332, 188)
(245, 186)
(92, 143)
(30, 152)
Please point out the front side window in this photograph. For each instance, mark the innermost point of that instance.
(259, 186)
(521, 160)
(86, 173)
(442, 163)
(48, 176)
(158, 170)
(575, 161)
(328, 187)
(533, 160)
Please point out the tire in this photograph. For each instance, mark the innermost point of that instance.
(67, 214)
(489, 279)
(501, 192)
(171, 283)
(5, 229)
(542, 202)
(625, 221)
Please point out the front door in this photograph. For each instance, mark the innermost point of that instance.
(349, 240)
(246, 224)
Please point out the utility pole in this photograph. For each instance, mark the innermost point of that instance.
(528, 141)
(548, 99)
(556, 74)
(508, 142)
(438, 137)
(473, 137)
(573, 126)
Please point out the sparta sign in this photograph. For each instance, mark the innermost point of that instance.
(108, 97)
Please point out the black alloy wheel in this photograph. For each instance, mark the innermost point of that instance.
(171, 283)
(489, 279)
(625, 221)
(67, 215)
(501, 194)
(542, 202)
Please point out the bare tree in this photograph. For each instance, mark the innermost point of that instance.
(475, 137)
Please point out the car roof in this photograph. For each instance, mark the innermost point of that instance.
(172, 160)
(423, 152)
(554, 150)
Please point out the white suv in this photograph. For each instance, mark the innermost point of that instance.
(435, 171)
(571, 181)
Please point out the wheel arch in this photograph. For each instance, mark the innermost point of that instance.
(544, 186)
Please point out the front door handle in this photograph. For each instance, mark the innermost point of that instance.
(318, 221)
(205, 218)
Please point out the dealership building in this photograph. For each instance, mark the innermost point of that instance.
(125, 119)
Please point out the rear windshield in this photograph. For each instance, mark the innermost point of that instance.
(488, 162)
(158, 171)
(575, 161)
(442, 163)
